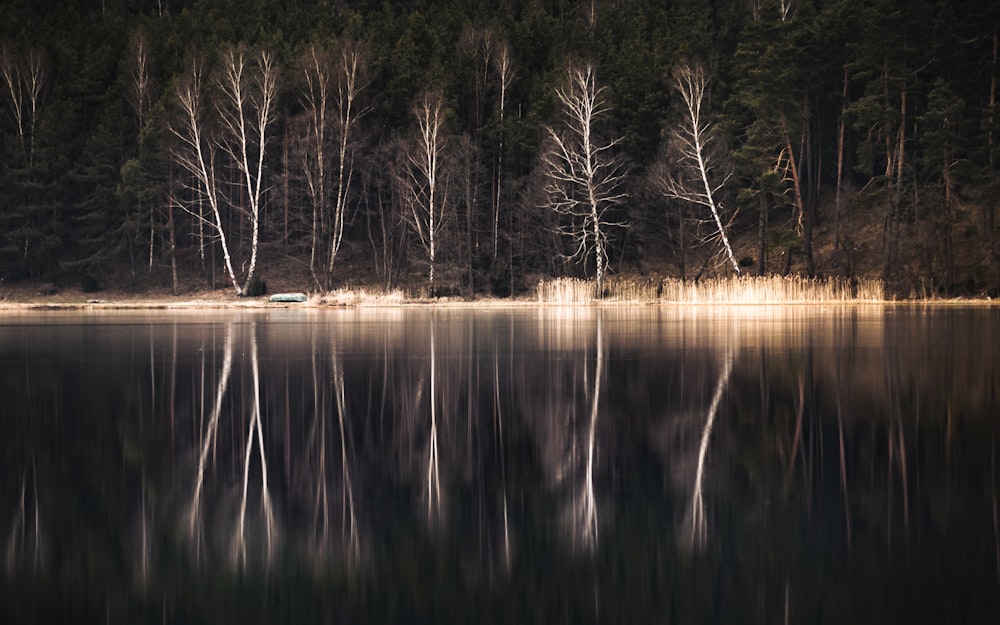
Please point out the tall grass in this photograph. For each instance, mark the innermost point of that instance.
(361, 297)
(734, 290)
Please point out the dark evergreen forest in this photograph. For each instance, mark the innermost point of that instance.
(472, 147)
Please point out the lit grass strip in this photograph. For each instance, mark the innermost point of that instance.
(732, 290)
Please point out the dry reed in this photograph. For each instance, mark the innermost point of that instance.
(733, 290)
(363, 297)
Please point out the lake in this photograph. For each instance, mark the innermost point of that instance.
(648, 464)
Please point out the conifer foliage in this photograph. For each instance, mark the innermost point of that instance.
(146, 142)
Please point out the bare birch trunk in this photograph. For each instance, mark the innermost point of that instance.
(839, 190)
(583, 174)
(196, 155)
(991, 135)
(349, 86)
(690, 142)
(244, 112)
(505, 72)
(423, 182)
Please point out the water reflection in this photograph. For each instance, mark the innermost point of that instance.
(610, 462)
(25, 542)
(566, 427)
(695, 520)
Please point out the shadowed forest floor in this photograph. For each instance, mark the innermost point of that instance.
(644, 259)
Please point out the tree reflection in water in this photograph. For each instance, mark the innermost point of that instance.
(610, 462)
(696, 520)
(255, 432)
(265, 516)
(194, 524)
(432, 489)
(25, 542)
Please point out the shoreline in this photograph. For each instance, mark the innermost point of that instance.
(560, 292)
(262, 303)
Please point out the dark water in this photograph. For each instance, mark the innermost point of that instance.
(617, 465)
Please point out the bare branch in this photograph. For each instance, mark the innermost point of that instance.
(140, 86)
(424, 180)
(248, 90)
(584, 176)
(689, 180)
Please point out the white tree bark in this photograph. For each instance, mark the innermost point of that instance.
(24, 81)
(693, 162)
(424, 181)
(10, 72)
(505, 72)
(140, 77)
(583, 174)
(349, 77)
(37, 75)
(195, 153)
(333, 82)
(315, 66)
(139, 93)
(243, 114)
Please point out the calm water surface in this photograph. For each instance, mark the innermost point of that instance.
(615, 465)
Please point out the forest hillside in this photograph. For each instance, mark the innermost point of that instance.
(472, 148)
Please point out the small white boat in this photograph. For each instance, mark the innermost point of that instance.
(288, 297)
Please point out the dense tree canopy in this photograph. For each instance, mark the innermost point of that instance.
(861, 138)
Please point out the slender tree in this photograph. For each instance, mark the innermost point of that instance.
(692, 178)
(24, 80)
(195, 153)
(10, 72)
(243, 115)
(424, 180)
(332, 82)
(140, 93)
(479, 45)
(505, 74)
(350, 82)
(316, 96)
(583, 174)
(246, 110)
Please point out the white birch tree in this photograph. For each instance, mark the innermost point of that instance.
(139, 89)
(241, 118)
(583, 174)
(10, 72)
(316, 95)
(351, 64)
(24, 80)
(248, 92)
(333, 81)
(195, 153)
(691, 177)
(140, 93)
(424, 181)
(505, 73)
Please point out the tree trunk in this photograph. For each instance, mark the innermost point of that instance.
(682, 235)
(505, 71)
(988, 206)
(173, 248)
(838, 193)
(692, 140)
(599, 251)
(762, 236)
(949, 257)
(583, 177)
